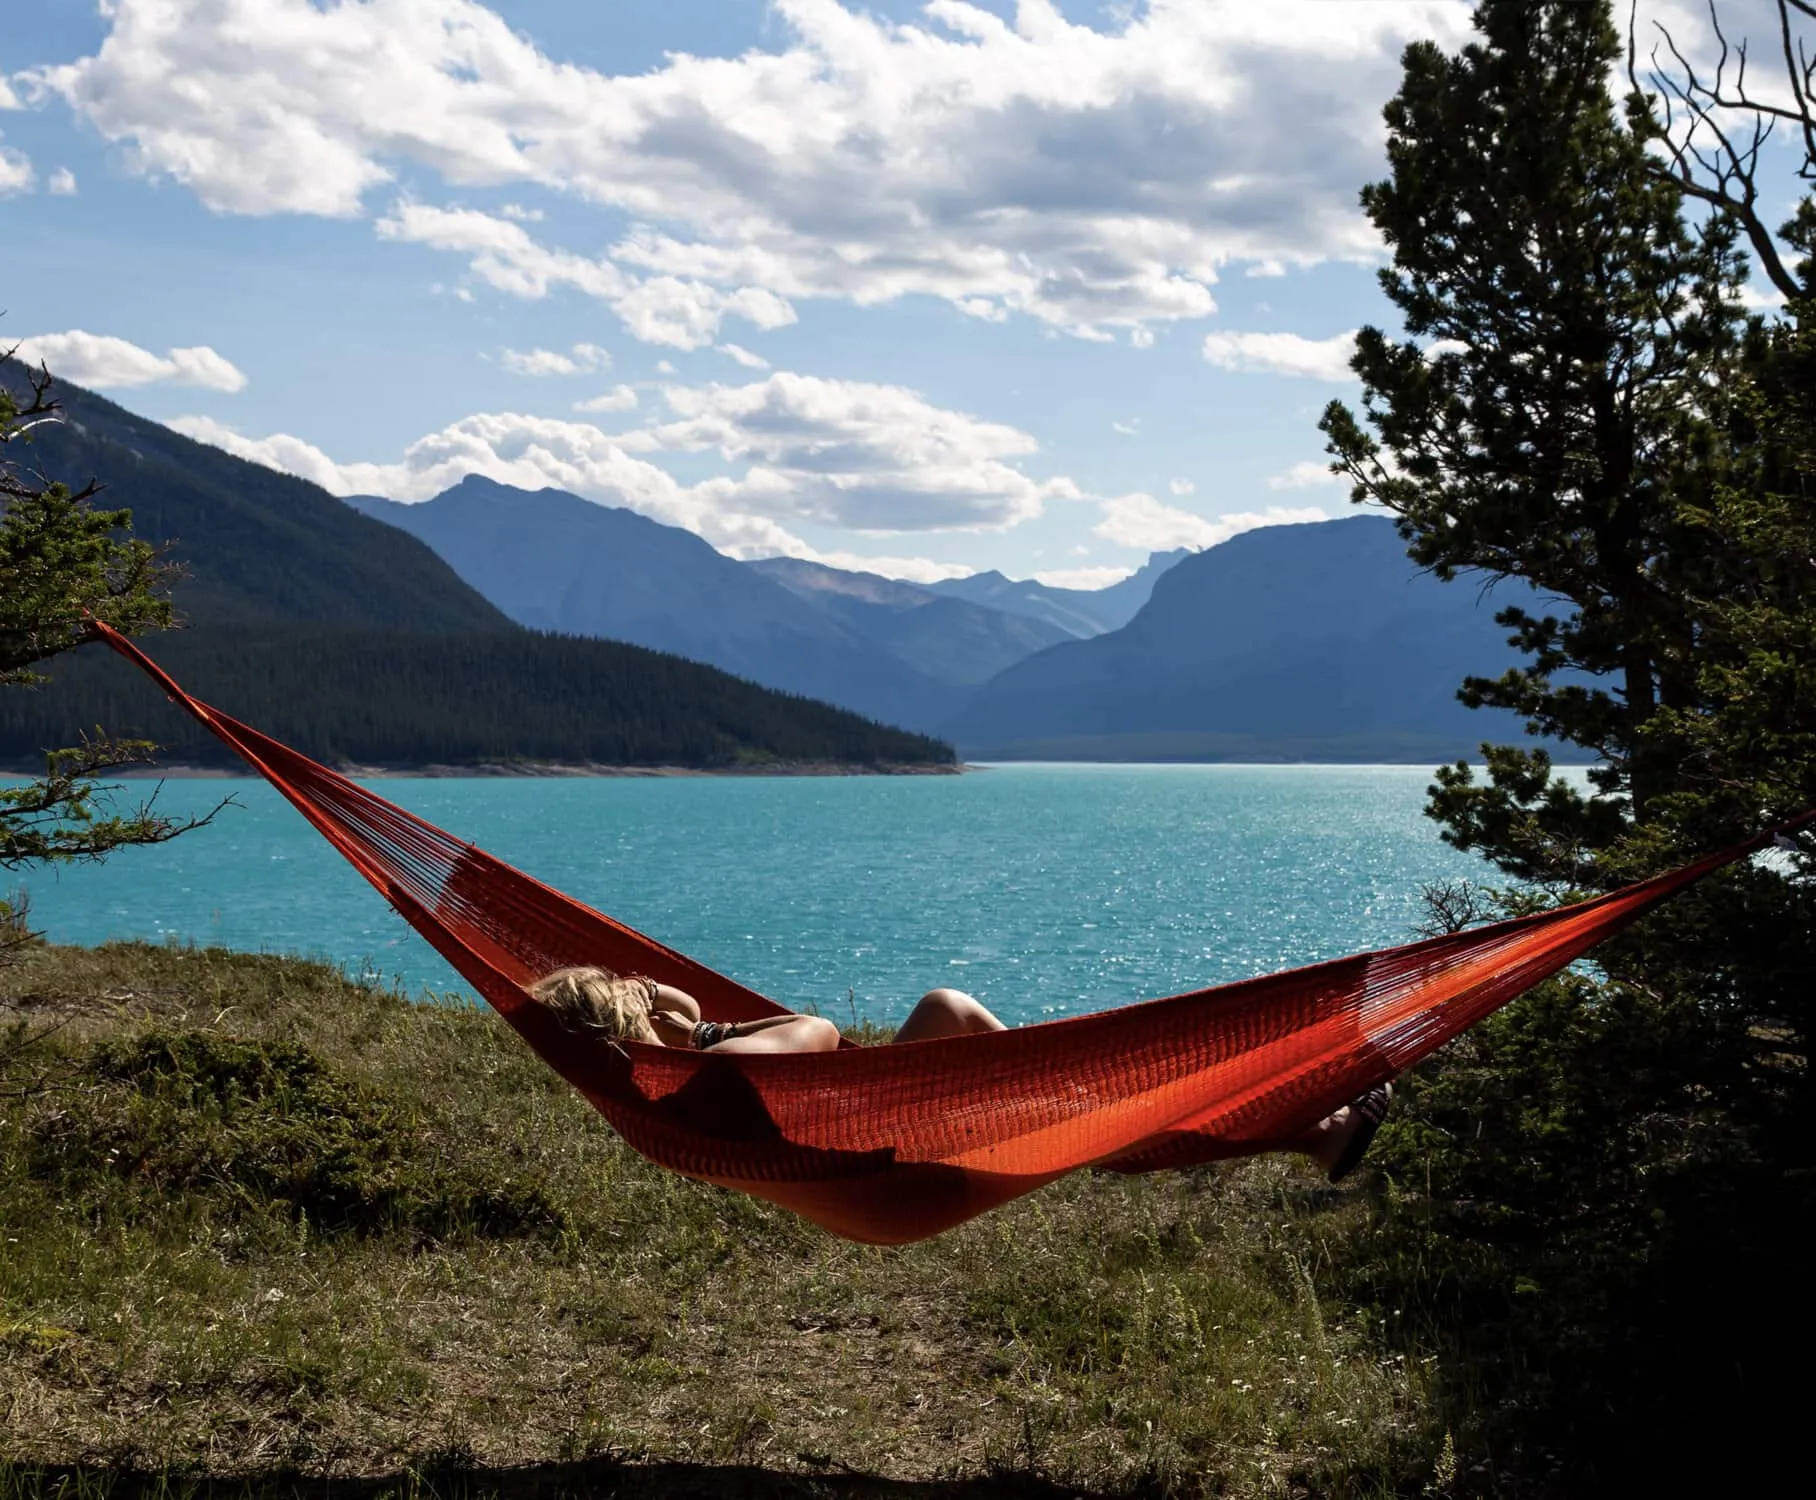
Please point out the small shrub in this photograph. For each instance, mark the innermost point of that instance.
(267, 1131)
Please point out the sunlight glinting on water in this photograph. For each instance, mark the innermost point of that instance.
(1044, 890)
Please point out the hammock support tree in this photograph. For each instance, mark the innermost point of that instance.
(892, 1144)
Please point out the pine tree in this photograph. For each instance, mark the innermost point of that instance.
(60, 558)
(1548, 407)
(1612, 1168)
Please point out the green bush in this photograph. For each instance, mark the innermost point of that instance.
(269, 1135)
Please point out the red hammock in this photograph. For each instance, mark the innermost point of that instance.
(897, 1143)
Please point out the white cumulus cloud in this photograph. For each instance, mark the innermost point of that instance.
(1181, 486)
(908, 569)
(1760, 299)
(290, 455)
(1094, 179)
(1139, 520)
(62, 183)
(110, 363)
(744, 357)
(1303, 475)
(1082, 578)
(1283, 354)
(618, 398)
(16, 175)
(529, 452)
(679, 312)
(851, 454)
(860, 458)
(582, 360)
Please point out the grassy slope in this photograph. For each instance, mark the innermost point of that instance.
(256, 1220)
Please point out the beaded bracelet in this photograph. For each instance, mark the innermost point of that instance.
(709, 1034)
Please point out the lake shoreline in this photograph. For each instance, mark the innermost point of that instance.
(534, 769)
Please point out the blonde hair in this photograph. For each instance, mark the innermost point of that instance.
(599, 1001)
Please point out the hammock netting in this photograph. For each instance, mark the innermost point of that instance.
(896, 1143)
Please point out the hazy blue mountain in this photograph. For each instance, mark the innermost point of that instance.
(1080, 613)
(950, 640)
(553, 561)
(1290, 642)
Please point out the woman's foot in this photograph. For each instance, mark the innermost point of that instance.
(1342, 1139)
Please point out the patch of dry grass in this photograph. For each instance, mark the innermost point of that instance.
(258, 1221)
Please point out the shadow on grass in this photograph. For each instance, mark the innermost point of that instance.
(587, 1479)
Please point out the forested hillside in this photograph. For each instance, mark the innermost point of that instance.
(256, 545)
(377, 697)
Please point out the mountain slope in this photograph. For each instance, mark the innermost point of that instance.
(1080, 613)
(354, 640)
(411, 698)
(1315, 642)
(257, 545)
(950, 640)
(553, 561)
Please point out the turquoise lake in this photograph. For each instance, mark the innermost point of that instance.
(1042, 889)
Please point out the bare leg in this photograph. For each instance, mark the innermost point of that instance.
(946, 1012)
(1325, 1141)
(1329, 1140)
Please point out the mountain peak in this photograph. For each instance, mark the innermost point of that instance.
(482, 484)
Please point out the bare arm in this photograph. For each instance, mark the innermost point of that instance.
(676, 1012)
(782, 1034)
(677, 1001)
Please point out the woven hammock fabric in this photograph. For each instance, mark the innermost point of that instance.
(896, 1143)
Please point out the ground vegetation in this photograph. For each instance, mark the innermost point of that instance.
(263, 1226)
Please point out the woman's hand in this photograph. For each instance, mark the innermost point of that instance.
(673, 1029)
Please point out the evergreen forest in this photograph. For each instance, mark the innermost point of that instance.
(369, 696)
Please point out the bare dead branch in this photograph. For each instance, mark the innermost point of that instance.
(1715, 163)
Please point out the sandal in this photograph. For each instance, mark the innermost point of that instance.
(1370, 1111)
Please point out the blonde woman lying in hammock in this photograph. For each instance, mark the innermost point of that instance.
(633, 1008)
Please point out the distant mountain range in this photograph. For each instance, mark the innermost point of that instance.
(553, 561)
(1318, 642)
(1080, 613)
(1309, 642)
(355, 641)
(900, 653)
(949, 639)
(1313, 642)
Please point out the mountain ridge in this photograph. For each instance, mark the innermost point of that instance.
(552, 560)
(284, 577)
(260, 546)
(950, 639)
(1081, 613)
(1278, 642)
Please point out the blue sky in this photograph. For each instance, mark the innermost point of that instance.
(925, 288)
